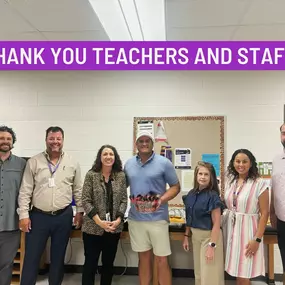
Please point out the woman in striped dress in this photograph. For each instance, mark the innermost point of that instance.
(247, 200)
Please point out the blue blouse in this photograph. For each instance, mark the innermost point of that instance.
(198, 207)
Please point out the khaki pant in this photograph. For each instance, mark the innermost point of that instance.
(207, 273)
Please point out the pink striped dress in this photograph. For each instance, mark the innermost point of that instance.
(237, 234)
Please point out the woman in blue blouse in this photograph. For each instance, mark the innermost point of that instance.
(203, 219)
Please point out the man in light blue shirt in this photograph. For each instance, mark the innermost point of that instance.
(148, 173)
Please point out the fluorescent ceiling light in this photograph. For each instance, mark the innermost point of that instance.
(152, 19)
(132, 20)
(129, 10)
(112, 19)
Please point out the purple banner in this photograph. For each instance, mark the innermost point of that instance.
(142, 55)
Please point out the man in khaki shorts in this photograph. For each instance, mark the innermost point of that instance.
(149, 232)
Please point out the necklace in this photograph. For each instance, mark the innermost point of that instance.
(235, 196)
(236, 192)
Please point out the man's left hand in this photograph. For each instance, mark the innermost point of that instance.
(78, 220)
(158, 204)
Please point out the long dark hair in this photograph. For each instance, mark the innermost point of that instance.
(253, 170)
(213, 177)
(117, 166)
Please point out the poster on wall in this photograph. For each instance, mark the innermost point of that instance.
(187, 180)
(160, 133)
(146, 126)
(182, 158)
(213, 159)
(166, 151)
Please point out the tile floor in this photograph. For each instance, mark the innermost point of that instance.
(75, 279)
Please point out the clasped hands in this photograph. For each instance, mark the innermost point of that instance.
(110, 227)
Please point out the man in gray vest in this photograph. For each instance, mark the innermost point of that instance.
(11, 172)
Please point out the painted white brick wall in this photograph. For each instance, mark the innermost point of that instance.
(95, 108)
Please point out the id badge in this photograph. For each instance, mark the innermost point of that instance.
(108, 217)
(51, 182)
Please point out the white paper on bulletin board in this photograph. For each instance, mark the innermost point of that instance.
(214, 159)
(187, 180)
(146, 126)
(182, 158)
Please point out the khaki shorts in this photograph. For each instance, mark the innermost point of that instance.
(146, 235)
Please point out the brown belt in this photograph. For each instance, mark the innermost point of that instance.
(52, 213)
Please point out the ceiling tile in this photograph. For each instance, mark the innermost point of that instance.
(63, 15)
(203, 13)
(31, 36)
(200, 34)
(265, 12)
(76, 36)
(260, 33)
(10, 21)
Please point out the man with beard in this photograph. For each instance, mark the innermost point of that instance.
(11, 169)
(277, 207)
(50, 180)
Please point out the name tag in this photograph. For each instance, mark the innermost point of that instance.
(51, 182)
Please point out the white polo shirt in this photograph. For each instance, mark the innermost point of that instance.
(278, 185)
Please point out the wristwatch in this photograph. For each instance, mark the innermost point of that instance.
(212, 244)
(258, 239)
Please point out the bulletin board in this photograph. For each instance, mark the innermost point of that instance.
(202, 135)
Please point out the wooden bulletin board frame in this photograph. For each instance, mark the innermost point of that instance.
(207, 131)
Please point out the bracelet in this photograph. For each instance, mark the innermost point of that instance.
(186, 235)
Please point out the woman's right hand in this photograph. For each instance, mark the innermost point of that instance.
(186, 244)
(107, 226)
